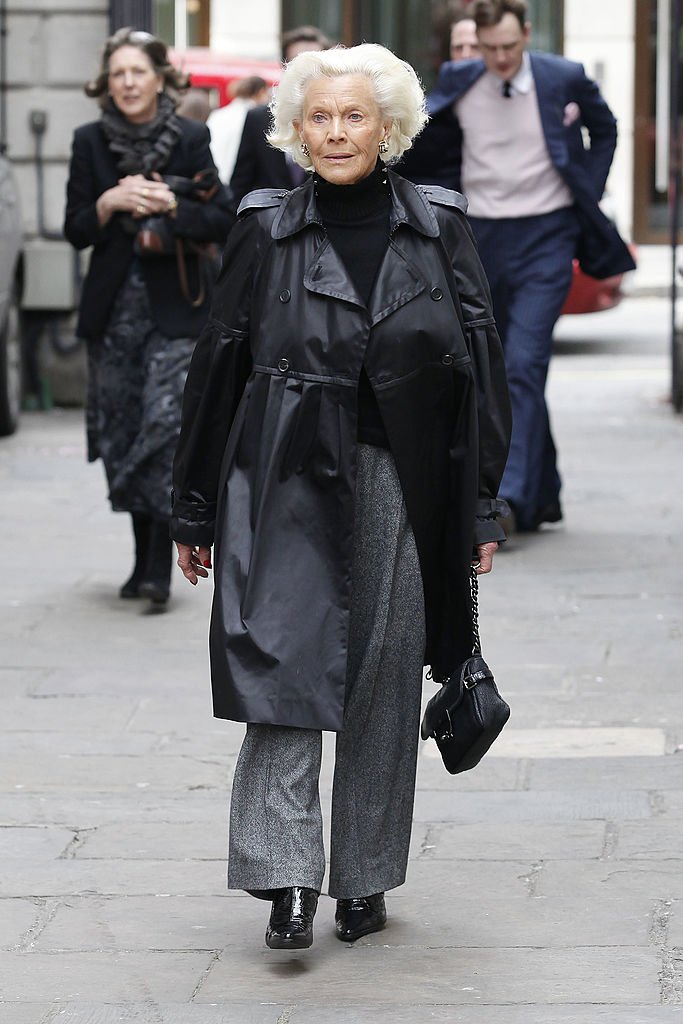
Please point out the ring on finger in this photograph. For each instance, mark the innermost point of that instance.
(140, 208)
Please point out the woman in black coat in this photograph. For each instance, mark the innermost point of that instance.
(139, 325)
(345, 427)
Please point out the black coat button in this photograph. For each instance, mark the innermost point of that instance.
(283, 365)
(447, 360)
(436, 294)
(285, 295)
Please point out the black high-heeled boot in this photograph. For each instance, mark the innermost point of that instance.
(156, 582)
(141, 529)
(291, 919)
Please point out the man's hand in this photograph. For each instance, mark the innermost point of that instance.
(194, 562)
(485, 553)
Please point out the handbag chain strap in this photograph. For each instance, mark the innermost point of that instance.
(474, 596)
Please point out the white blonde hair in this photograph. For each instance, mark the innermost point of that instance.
(397, 89)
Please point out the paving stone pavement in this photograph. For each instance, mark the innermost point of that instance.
(545, 887)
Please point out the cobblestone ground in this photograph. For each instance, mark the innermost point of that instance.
(545, 886)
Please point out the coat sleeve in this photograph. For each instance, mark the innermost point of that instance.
(601, 124)
(436, 154)
(245, 171)
(81, 225)
(203, 221)
(493, 402)
(218, 373)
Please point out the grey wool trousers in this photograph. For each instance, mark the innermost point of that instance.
(276, 836)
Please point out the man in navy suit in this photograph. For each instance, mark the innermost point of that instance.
(510, 131)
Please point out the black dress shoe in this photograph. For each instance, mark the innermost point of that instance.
(291, 919)
(131, 588)
(549, 513)
(358, 917)
(156, 591)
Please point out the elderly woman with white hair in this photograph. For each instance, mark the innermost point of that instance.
(345, 427)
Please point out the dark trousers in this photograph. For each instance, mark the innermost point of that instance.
(528, 261)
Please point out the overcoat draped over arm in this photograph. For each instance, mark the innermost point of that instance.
(266, 463)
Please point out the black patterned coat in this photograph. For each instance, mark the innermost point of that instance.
(92, 171)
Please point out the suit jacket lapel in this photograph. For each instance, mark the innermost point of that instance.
(551, 102)
(454, 80)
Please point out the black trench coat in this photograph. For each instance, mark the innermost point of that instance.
(266, 461)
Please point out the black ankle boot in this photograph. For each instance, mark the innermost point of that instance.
(361, 916)
(156, 582)
(291, 919)
(141, 530)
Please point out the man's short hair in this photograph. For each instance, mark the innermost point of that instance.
(304, 34)
(458, 10)
(247, 88)
(491, 12)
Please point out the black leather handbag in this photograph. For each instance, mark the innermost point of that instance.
(468, 713)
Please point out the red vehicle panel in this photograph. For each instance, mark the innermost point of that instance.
(588, 295)
(215, 72)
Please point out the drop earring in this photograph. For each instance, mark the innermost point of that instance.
(304, 149)
(383, 146)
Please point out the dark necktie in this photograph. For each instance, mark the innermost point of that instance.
(507, 90)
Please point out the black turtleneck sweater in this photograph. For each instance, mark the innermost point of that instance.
(356, 219)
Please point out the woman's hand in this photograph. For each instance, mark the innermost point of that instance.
(136, 195)
(486, 553)
(194, 562)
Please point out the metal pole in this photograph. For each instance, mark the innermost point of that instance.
(675, 190)
(663, 87)
(3, 76)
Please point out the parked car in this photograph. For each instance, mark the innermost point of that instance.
(11, 267)
(215, 72)
(588, 295)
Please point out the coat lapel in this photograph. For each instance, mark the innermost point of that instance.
(398, 281)
(327, 275)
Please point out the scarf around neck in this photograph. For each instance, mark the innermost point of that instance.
(142, 148)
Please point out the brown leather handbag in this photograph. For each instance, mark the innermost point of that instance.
(156, 237)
